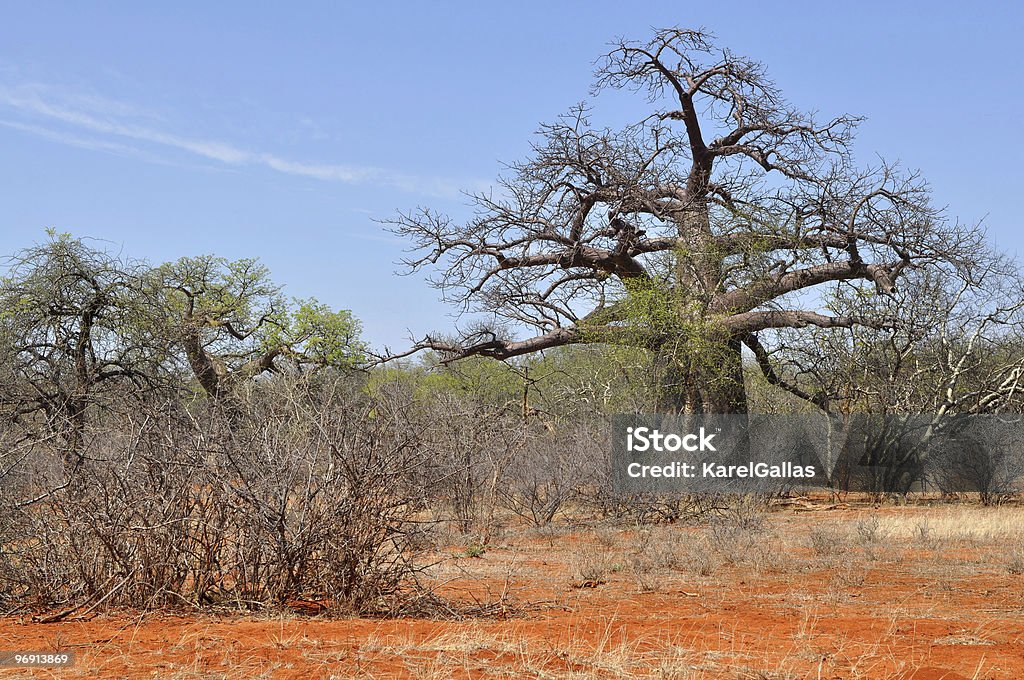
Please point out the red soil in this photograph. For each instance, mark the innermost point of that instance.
(935, 608)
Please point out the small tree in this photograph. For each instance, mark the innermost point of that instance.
(956, 354)
(72, 338)
(231, 323)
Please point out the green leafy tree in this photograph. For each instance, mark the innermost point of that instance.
(231, 323)
(72, 338)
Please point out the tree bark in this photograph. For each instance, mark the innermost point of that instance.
(702, 384)
(203, 366)
(702, 374)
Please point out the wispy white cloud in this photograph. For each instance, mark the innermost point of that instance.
(69, 139)
(109, 118)
(328, 173)
(373, 236)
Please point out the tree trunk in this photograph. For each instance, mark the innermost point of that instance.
(701, 383)
(203, 366)
(701, 371)
(74, 452)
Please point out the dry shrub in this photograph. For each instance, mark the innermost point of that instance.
(589, 567)
(869, 531)
(661, 547)
(300, 490)
(551, 470)
(1016, 565)
(827, 540)
(739, 535)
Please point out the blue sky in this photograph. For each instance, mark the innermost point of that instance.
(281, 132)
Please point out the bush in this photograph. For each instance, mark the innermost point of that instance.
(305, 493)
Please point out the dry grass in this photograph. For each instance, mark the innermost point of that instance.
(958, 524)
(674, 602)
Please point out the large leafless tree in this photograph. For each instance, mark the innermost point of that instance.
(701, 227)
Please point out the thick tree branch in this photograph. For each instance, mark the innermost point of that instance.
(764, 363)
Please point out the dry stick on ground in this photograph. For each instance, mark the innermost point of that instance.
(60, 616)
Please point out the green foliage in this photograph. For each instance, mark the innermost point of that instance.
(562, 384)
(685, 344)
(485, 381)
(652, 307)
(323, 336)
(216, 293)
(233, 322)
(74, 318)
(475, 550)
(592, 380)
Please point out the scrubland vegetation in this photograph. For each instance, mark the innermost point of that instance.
(183, 438)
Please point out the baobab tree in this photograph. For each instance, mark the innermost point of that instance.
(721, 214)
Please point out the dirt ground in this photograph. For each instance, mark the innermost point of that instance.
(806, 590)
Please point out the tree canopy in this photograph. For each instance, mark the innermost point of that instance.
(83, 330)
(696, 229)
